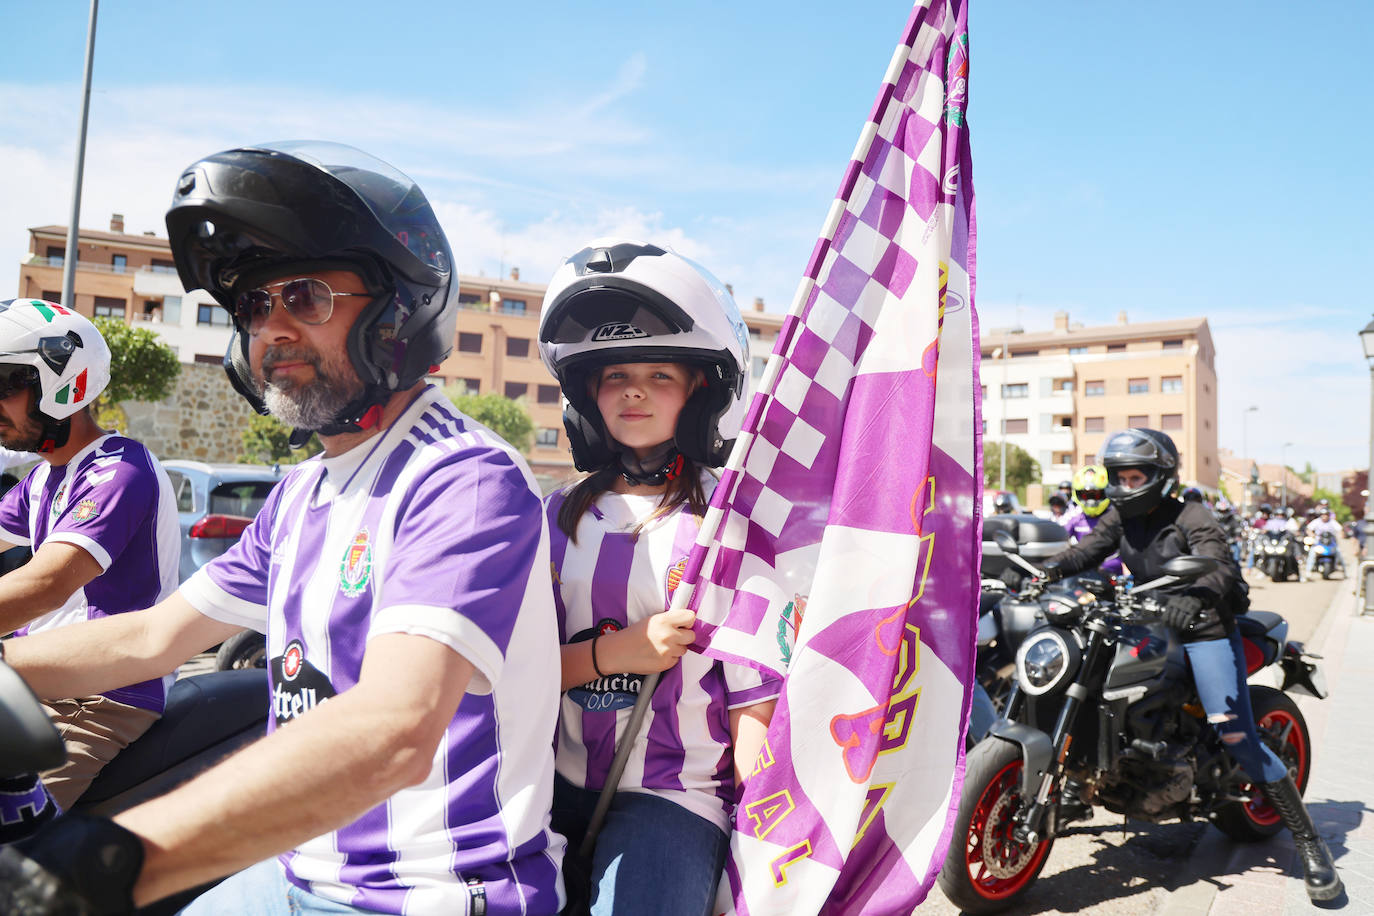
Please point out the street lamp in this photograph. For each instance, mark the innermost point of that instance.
(1283, 470)
(1245, 448)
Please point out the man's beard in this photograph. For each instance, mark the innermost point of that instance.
(316, 403)
(25, 438)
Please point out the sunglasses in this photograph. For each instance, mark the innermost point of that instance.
(308, 300)
(14, 379)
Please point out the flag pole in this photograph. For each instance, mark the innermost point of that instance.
(71, 253)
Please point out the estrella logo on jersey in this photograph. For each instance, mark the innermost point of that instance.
(614, 691)
(675, 577)
(356, 569)
(292, 659)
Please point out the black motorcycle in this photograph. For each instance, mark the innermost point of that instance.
(1276, 555)
(1104, 713)
(206, 718)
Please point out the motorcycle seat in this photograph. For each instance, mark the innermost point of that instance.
(1257, 623)
(201, 711)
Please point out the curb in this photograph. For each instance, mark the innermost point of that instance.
(1216, 855)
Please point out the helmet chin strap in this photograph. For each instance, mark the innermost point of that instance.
(362, 413)
(661, 465)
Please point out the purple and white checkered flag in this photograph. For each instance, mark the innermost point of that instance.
(842, 545)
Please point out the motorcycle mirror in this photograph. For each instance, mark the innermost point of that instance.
(32, 743)
(1005, 543)
(1188, 568)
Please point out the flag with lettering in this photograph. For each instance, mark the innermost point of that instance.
(841, 548)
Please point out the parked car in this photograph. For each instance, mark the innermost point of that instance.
(215, 502)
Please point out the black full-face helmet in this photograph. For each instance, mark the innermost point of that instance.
(244, 214)
(1147, 450)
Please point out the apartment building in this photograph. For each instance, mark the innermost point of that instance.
(132, 277)
(1058, 394)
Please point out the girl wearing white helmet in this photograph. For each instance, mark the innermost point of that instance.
(652, 357)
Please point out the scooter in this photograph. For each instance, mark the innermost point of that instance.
(207, 717)
(1327, 554)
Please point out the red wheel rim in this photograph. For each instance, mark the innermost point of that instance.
(998, 864)
(1292, 750)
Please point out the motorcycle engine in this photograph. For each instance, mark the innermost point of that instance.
(1149, 788)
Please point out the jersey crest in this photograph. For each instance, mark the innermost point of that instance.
(59, 501)
(356, 569)
(85, 510)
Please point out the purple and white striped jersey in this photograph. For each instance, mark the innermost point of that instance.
(113, 500)
(431, 528)
(610, 578)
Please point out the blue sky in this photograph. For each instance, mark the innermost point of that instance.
(1168, 163)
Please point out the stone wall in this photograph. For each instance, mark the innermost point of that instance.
(203, 419)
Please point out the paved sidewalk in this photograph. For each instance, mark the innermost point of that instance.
(1265, 879)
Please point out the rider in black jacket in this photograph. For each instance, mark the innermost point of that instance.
(1148, 526)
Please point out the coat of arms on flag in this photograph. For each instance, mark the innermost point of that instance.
(852, 493)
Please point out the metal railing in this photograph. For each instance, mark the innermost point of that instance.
(97, 267)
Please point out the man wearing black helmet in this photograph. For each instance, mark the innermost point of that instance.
(408, 766)
(1149, 526)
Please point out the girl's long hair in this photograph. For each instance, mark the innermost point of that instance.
(684, 488)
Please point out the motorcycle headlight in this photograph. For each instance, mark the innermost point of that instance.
(1047, 659)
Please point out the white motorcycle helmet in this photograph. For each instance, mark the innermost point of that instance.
(625, 301)
(63, 356)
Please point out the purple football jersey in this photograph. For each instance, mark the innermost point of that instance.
(432, 528)
(114, 501)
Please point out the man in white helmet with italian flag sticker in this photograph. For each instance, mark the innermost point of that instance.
(97, 512)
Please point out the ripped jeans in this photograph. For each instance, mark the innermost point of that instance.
(1219, 673)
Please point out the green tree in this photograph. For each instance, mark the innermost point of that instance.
(508, 419)
(266, 440)
(1022, 469)
(142, 368)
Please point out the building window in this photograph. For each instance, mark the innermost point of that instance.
(1011, 427)
(1063, 458)
(1170, 421)
(1065, 422)
(209, 359)
(1094, 389)
(760, 363)
(985, 427)
(1093, 425)
(119, 263)
(1064, 384)
(1171, 384)
(1019, 353)
(547, 394)
(1138, 386)
(471, 299)
(469, 343)
(163, 266)
(56, 255)
(1176, 344)
(109, 307)
(1138, 419)
(1019, 390)
(546, 437)
(1077, 351)
(50, 295)
(171, 309)
(518, 347)
(985, 392)
(211, 316)
(514, 306)
(1116, 348)
(515, 390)
(470, 385)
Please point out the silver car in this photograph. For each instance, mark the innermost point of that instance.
(215, 502)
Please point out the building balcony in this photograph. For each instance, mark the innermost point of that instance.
(157, 282)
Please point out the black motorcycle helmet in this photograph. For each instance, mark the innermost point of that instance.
(1192, 495)
(241, 214)
(1266, 510)
(1148, 450)
(1002, 504)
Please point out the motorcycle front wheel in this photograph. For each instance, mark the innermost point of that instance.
(1282, 727)
(986, 868)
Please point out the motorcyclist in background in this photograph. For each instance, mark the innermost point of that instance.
(1324, 524)
(1231, 525)
(1002, 505)
(1192, 495)
(1150, 527)
(1294, 525)
(1059, 510)
(1090, 498)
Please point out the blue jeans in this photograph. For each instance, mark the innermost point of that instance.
(652, 856)
(1219, 673)
(263, 891)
